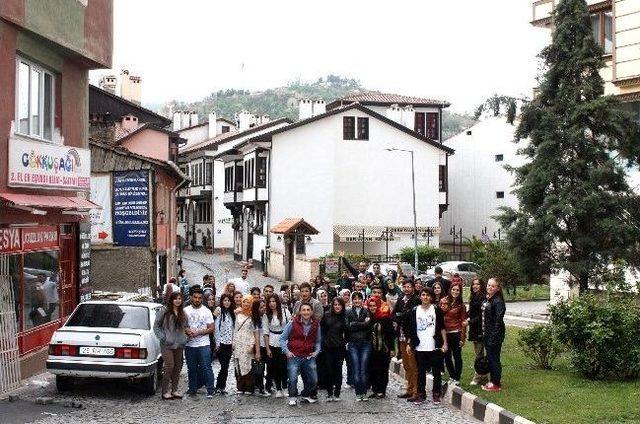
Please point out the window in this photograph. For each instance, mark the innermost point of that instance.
(602, 30)
(228, 179)
(203, 212)
(110, 316)
(261, 172)
(634, 109)
(499, 194)
(499, 158)
(349, 128)
(442, 178)
(34, 100)
(208, 173)
(249, 173)
(41, 298)
(259, 221)
(181, 213)
(427, 124)
(363, 128)
(300, 244)
(225, 129)
(238, 177)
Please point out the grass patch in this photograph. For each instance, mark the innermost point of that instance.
(523, 293)
(555, 396)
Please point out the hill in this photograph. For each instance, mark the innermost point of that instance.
(283, 101)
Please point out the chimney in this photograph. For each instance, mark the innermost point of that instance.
(245, 120)
(394, 113)
(176, 120)
(108, 83)
(305, 109)
(213, 124)
(130, 87)
(319, 107)
(129, 123)
(194, 119)
(409, 117)
(184, 120)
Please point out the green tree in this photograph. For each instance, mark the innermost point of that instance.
(576, 210)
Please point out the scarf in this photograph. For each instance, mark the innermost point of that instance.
(382, 309)
(247, 311)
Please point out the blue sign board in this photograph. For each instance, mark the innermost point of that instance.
(131, 208)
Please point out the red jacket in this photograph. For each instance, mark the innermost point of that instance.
(299, 345)
(453, 316)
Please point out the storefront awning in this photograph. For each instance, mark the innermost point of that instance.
(294, 225)
(34, 201)
(355, 233)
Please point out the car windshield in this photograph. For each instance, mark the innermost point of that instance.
(110, 316)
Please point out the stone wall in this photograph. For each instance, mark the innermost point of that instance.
(122, 269)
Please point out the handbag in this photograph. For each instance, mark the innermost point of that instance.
(257, 369)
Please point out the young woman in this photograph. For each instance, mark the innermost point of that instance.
(323, 298)
(229, 289)
(359, 343)
(426, 339)
(285, 300)
(393, 292)
(455, 324)
(169, 327)
(477, 297)
(382, 343)
(237, 300)
(170, 287)
(225, 320)
(210, 303)
(333, 328)
(258, 312)
(345, 294)
(246, 346)
(438, 293)
(493, 332)
(273, 322)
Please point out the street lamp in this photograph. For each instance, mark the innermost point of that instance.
(415, 220)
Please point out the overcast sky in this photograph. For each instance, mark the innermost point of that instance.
(458, 50)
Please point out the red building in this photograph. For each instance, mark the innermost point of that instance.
(46, 51)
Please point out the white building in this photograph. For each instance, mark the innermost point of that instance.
(334, 172)
(203, 220)
(478, 182)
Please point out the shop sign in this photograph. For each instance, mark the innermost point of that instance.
(101, 218)
(84, 263)
(10, 240)
(331, 266)
(131, 208)
(36, 238)
(48, 166)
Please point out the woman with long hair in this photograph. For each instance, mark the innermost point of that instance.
(169, 327)
(493, 332)
(438, 293)
(333, 329)
(455, 324)
(246, 346)
(225, 320)
(258, 311)
(359, 343)
(229, 289)
(273, 322)
(477, 296)
(382, 346)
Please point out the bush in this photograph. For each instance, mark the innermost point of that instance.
(540, 344)
(427, 255)
(602, 336)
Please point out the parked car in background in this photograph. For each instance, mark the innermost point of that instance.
(407, 268)
(107, 339)
(468, 271)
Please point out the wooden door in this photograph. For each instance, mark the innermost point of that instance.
(68, 267)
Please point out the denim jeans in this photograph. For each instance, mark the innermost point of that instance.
(199, 368)
(347, 359)
(495, 367)
(360, 352)
(307, 369)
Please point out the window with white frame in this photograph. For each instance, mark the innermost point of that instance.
(34, 100)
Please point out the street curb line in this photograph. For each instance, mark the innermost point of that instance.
(467, 402)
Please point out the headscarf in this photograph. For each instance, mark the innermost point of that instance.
(319, 292)
(247, 311)
(382, 309)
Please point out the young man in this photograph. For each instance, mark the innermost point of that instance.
(255, 292)
(378, 277)
(198, 351)
(300, 341)
(427, 338)
(267, 291)
(242, 283)
(446, 284)
(403, 308)
(305, 297)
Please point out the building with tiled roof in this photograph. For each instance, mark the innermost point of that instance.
(373, 98)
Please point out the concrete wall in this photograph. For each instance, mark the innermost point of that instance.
(122, 268)
(303, 269)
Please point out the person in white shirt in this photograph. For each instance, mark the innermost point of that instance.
(427, 339)
(242, 283)
(198, 351)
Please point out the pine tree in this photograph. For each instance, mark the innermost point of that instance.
(576, 210)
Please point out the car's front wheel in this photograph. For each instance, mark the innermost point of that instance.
(63, 383)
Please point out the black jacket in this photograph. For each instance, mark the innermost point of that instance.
(351, 269)
(412, 328)
(387, 344)
(493, 330)
(402, 309)
(475, 318)
(358, 326)
(333, 329)
(446, 284)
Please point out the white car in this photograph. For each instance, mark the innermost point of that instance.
(468, 271)
(407, 268)
(107, 340)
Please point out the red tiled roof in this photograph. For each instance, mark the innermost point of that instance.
(289, 225)
(375, 98)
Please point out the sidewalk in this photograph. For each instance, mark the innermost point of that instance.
(527, 314)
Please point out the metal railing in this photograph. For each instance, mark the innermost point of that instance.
(9, 353)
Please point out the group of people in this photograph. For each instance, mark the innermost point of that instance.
(307, 331)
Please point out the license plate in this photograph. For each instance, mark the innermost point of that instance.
(97, 351)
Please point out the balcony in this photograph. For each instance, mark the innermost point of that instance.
(231, 197)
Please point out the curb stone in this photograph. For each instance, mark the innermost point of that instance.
(467, 402)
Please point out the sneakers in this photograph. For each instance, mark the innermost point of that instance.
(362, 398)
(365, 398)
(436, 399)
(379, 395)
(209, 395)
(490, 387)
(264, 393)
(293, 401)
(309, 399)
(404, 396)
(473, 383)
(453, 382)
(348, 386)
(279, 394)
(330, 399)
(418, 400)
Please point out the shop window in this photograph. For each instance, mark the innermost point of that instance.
(40, 295)
(15, 270)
